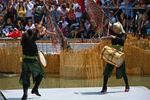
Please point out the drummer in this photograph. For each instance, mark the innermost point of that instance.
(118, 37)
(30, 64)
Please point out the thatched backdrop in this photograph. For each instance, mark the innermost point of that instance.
(85, 63)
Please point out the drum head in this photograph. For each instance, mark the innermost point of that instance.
(42, 58)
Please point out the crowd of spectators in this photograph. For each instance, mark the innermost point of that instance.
(68, 14)
(137, 19)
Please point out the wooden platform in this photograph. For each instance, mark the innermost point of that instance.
(90, 93)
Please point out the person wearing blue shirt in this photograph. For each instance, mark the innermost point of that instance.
(130, 11)
(5, 1)
(107, 3)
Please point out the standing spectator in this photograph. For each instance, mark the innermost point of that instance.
(99, 3)
(15, 3)
(60, 2)
(77, 10)
(10, 12)
(38, 12)
(64, 12)
(120, 11)
(107, 3)
(56, 13)
(33, 2)
(49, 7)
(21, 10)
(1, 15)
(130, 12)
(69, 4)
(71, 17)
(30, 25)
(29, 12)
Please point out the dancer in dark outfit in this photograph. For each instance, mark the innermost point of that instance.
(30, 64)
(118, 37)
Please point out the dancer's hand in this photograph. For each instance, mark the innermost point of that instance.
(111, 36)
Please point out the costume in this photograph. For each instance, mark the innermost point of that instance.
(30, 64)
(117, 43)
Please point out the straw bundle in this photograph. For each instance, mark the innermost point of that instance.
(83, 63)
(10, 54)
(53, 63)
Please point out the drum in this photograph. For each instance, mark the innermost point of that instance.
(112, 56)
(41, 59)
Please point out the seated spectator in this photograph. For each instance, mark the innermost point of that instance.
(62, 29)
(141, 4)
(77, 33)
(72, 27)
(123, 20)
(30, 25)
(113, 19)
(21, 10)
(144, 26)
(64, 23)
(10, 12)
(64, 12)
(71, 17)
(29, 12)
(56, 13)
(89, 32)
(8, 27)
(77, 10)
(38, 11)
(19, 26)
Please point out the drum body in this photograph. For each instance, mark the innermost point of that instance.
(42, 59)
(112, 56)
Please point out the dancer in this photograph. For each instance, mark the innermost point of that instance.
(30, 64)
(118, 37)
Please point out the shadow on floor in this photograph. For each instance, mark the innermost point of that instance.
(95, 93)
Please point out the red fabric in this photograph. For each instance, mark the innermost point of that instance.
(15, 34)
(97, 1)
(81, 3)
(130, 0)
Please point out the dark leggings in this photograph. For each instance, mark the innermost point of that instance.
(124, 77)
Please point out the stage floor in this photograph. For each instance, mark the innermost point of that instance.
(89, 93)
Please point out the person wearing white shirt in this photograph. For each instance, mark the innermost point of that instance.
(77, 10)
(15, 4)
(64, 11)
(64, 23)
(29, 12)
(30, 25)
